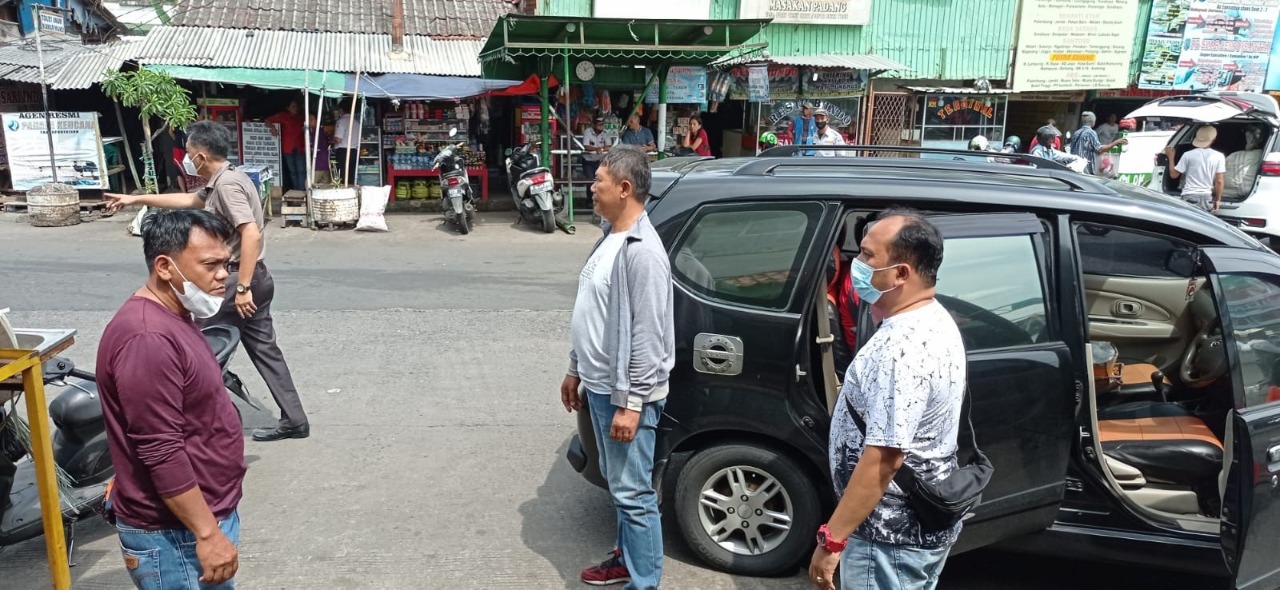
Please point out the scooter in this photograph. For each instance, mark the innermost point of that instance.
(79, 446)
(458, 200)
(533, 188)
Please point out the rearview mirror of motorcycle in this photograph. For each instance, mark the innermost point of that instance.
(453, 132)
(508, 151)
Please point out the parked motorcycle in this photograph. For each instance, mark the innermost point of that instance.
(80, 448)
(457, 200)
(533, 188)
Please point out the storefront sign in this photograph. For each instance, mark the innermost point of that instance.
(784, 83)
(1272, 81)
(808, 12)
(685, 85)
(664, 9)
(1133, 92)
(837, 84)
(959, 110)
(758, 83)
(261, 148)
(77, 144)
(783, 112)
(1048, 97)
(1209, 45)
(1074, 45)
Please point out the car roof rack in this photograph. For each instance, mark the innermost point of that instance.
(769, 160)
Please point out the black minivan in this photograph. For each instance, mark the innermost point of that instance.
(1124, 359)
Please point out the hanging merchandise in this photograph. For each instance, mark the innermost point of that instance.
(606, 103)
(589, 95)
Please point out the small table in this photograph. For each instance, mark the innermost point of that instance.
(481, 171)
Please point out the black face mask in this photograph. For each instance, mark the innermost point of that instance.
(822, 124)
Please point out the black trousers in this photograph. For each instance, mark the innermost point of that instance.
(258, 335)
(346, 165)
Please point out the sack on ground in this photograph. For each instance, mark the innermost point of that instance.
(373, 203)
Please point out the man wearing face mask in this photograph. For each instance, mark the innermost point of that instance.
(232, 195)
(900, 405)
(826, 135)
(174, 435)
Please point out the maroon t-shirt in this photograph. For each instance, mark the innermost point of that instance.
(170, 422)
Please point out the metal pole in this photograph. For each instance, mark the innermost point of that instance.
(544, 93)
(44, 95)
(350, 123)
(568, 133)
(310, 157)
(662, 110)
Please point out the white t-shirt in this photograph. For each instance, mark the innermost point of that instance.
(1198, 168)
(829, 137)
(908, 384)
(1107, 133)
(587, 327)
(340, 131)
(592, 139)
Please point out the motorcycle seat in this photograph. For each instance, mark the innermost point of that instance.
(75, 408)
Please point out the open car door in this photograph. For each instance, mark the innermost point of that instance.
(1246, 285)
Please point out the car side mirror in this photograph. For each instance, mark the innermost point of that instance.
(1181, 262)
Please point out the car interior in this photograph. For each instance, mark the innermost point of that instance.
(1231, 139)
(1161, 387)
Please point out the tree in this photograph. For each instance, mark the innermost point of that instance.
(156, 94)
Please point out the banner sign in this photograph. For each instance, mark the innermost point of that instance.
(1074, 44)
(784, 83)
(758, 84)
(808, 12)
(1209, 45)
(77, 145)
(261, 148)
(685, 85)
(942, 109)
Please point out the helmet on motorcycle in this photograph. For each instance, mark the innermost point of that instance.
(979, 144)
(1045, 135)
(1013, 142)
(769, 138)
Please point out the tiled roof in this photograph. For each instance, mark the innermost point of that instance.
(435, 18)
(294, 50)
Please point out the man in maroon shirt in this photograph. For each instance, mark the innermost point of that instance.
(292, 150)
(175, 436)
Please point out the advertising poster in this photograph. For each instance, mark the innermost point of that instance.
(758, 83)
(1074, 45)
(261, 148)
(77, 145)
(1197, 45)
(685, 85)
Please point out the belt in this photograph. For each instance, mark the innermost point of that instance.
(235, 266)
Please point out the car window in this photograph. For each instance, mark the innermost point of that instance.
(1253, 306)
(1114, 252)
(748, 254)
(992, 286)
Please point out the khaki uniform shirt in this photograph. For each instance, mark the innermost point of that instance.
(232, 196)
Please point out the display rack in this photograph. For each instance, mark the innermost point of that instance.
(369, 166)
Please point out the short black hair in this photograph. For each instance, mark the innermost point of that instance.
(919, 243)
(166, 232)
(211, 137)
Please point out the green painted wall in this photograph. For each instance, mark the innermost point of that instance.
(1140, 38)
(942, 39)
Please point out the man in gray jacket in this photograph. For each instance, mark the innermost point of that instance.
(623, 351)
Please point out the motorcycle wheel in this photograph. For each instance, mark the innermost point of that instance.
(464, 224)
(548, 221)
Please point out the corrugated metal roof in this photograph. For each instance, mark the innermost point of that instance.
(436, 18)
(296, 50)
(847, 62)
(69, 64)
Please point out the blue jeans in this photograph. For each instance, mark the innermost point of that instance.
(868, 565)
(628, 467)
(295, 170)
(166, 559)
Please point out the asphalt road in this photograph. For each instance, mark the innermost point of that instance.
(429, 364)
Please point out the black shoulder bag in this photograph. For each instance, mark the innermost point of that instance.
(940, 505)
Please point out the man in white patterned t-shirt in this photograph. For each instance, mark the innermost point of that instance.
(907, 383)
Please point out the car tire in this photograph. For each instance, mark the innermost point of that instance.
(771, 552)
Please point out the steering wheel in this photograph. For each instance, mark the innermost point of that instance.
(1205, 360)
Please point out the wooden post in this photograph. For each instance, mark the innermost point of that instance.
(128, 152)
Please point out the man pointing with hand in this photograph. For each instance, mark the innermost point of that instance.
(232, 196)
(623, 352)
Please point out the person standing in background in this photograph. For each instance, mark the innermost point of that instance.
(1108, 131)
(1205, 170)
(348, 150)
(322, 174)
(595, 143)
(291, 145)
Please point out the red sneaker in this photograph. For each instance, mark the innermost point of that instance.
(608, 572)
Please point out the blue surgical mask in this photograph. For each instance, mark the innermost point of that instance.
(861, 274)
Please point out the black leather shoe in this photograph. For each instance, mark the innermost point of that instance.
(281, 433)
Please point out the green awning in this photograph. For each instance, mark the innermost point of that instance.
(334, 83)
(619, 41)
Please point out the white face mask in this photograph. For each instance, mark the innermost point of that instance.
(200, 304)
(189, 167)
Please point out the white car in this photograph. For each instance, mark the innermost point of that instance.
(1251, 200)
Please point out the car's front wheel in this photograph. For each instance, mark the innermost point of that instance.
(747, 510)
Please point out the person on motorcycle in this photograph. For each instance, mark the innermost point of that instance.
(1012, 145)
(767, 140)
(1045, 137)
(979, 144)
